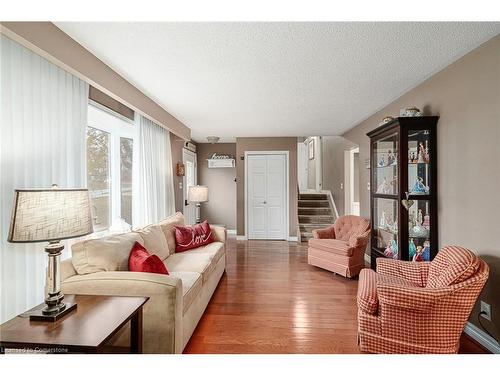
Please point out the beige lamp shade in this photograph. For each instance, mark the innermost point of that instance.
(49, 215)
(198, 193)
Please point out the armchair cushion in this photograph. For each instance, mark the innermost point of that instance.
(452, 265)
(332, 246)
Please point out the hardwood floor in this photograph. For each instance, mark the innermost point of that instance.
(272, 301)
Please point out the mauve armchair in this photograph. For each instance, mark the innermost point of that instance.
(418, 307)
(340, 248)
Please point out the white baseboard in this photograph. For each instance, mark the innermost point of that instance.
(241, 238)
(368, 258)
(293, 238)
(482, 338)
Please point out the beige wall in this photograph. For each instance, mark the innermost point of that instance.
(466, 96)
(177, 144)
(221, 207)
(333, 167)
(47, 40)
(266, 144)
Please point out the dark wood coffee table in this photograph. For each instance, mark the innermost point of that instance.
(86, 330)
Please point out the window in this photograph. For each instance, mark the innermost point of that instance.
(111, 168)
(126, 162)
(98, 176)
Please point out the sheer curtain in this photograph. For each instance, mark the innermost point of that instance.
(42, 141)
(156, 185)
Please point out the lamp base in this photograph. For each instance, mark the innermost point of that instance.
(52, 313)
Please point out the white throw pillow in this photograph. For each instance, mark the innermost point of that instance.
(167, 226)
(154, 240)
(104, 254)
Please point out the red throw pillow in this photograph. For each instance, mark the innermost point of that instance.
(190, 237)
(140, 260)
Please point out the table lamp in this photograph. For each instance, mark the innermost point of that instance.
(198, 194)
(51, 215)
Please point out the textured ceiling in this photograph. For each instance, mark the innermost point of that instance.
(276, 79)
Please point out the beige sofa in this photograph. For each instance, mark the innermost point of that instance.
(177, 301)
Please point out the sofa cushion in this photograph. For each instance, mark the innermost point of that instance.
(154, 240)
(202, 260)
(452, 265)
(140, 260)
(191, 287)
(104, 254)
(367, 288)
(168, 227)
(215, 250)
(333, 246)
(192, 236)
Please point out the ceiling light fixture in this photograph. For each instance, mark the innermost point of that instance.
(213, 139)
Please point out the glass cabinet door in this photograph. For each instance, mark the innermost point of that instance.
(419, 172)
(419, 231)
(385, 217)
(385, 168)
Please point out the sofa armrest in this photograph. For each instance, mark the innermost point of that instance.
(325, 233)
(219, 233)
(415, 272)
(162, 314)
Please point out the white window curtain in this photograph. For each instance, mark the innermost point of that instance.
(42, 141)
(156, 185)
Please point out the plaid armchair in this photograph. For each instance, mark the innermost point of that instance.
(340, 248)
(418, 307)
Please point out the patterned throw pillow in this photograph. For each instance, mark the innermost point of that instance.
(190, 237)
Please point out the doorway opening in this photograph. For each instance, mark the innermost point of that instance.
(351, 191)
(189, 179)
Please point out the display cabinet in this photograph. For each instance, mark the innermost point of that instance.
(403, 189)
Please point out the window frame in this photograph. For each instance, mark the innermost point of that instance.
(117, 126)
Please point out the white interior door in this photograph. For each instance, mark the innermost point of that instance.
(189, 179)
(267, 190)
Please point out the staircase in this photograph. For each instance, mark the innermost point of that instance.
(315, 212)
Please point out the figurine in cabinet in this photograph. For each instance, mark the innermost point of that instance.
(426, 251)
(394, 226)
(392, 250)
(423, 154)
(384, 187)
(419, 187)
(418, 257)
(383, 221)
(412, 249)
(418, 230)
(381, 162)
(391, 158)
(427, 222)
